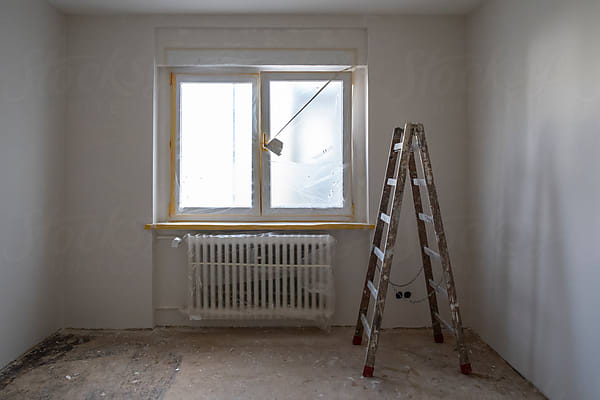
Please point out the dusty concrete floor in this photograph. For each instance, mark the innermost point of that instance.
(171, 363)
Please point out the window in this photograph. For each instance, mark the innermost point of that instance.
(283, 153)
(216, 163)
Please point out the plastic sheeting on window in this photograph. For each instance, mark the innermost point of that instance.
(219, 151)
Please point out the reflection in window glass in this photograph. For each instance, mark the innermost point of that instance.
(309, 172)
(215, 165)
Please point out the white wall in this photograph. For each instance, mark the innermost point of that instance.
(416, 72)
(108, 276)
(32, 110)
(535, 189)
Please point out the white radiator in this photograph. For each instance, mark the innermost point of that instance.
(265, 276)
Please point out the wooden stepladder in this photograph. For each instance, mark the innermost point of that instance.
(401, 161)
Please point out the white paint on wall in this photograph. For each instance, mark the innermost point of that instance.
(416, 72)
(533, 121)
(32, 110)
(108, 275)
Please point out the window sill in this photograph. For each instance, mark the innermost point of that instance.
(258, 226)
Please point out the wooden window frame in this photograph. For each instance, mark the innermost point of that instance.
(260, 175)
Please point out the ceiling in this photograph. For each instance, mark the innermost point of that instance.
(265, 6)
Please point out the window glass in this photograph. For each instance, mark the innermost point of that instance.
(215, 165)
(309, 171)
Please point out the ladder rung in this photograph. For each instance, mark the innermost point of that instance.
(419, 182)
(385, 218)
(378, 253)
(431, 253)
(365, 324)
(446, 324)
(426, 218)
(437, 287)
(372, 289)
(391, 182)
(398, 147)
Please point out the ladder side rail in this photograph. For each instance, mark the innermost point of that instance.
(389, 250)
(443, 249)
(383, 205)
(423, 240)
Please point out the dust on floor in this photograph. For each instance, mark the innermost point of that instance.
(244, 363)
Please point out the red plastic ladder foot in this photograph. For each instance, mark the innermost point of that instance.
(357, 340)
(439, 338)
(368, 371)
(465, 369)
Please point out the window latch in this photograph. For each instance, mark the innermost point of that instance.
(274, 146)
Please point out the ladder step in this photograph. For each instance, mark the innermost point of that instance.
(431, 253)
(437, 287)
(385, 218)
(419, 182)
(372, 289)
(426, 218)
(378, 253)
(446, 324)
(398, 147)
(365, 325)
(391, 182)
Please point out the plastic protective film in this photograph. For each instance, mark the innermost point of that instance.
(222, 162)
(307, 122)
(216, 158)
(261, 277)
